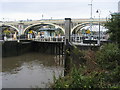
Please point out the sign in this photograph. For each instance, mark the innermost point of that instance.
(88, 31)
(31, 31)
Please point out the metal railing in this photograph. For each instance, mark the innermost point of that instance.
(74, 39)
(90, 37)
(50, 39)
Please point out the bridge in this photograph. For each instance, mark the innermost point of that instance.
(22, 26)
(52, 43)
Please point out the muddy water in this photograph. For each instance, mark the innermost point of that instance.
(32, 70)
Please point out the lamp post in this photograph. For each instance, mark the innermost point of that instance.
(99, 12)
(42, 16)
(3, 20)
(91, 8)
(91, 15)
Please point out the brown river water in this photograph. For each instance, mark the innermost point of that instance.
(31, 70)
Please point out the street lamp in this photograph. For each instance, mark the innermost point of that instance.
(91, 8)
(42, 16)
(91, 15)
(3, 20)
(99, 12)
(51, 18)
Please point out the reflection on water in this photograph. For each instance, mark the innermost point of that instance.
(30, 70)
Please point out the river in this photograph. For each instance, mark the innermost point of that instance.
(31, 70)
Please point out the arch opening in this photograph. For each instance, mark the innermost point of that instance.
(84, 30)
(46, 29)
(8, 31)
(86, 26)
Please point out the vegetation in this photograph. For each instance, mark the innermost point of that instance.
(100, 70)
(97, 69)
(113, 26)
(6, 31)
(109, 56)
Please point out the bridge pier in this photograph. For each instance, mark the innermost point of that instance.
(21, 28)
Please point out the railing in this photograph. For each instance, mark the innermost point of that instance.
(91, 39)
(80, 39)
(50, 39)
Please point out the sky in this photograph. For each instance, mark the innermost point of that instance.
(55, 9)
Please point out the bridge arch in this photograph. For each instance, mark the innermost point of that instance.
(11, 27)
(81, 25)
(43, 23)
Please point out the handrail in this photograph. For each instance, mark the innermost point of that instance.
(79, 39)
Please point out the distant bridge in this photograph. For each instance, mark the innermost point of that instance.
(76, 24)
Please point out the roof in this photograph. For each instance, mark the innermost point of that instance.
(48, 29)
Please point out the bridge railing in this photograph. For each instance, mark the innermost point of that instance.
(90, 38)
(50, 39)
(78, 39)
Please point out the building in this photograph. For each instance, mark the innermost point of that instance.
(119, 6)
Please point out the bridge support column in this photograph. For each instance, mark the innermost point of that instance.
(1, 34)
(21, 28)
(67, 46)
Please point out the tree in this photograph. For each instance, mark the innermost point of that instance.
(6, 31)
(113, 26)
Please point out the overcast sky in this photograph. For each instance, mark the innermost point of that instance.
(57, 9)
